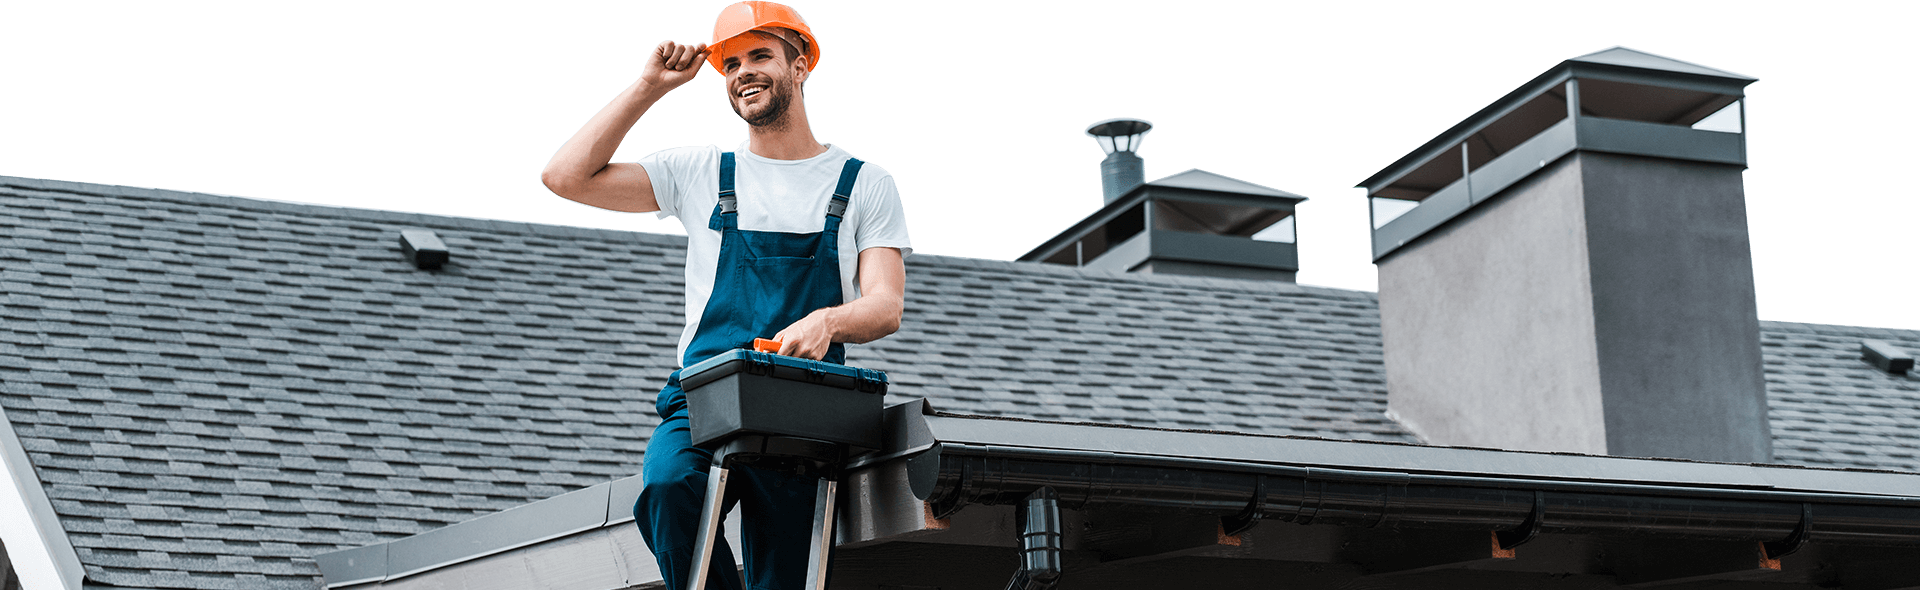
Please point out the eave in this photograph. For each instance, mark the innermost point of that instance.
(944, 481)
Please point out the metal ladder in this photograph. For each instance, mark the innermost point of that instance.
(823, 457)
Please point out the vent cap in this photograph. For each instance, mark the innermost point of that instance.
(1885, 356)
(424, 248)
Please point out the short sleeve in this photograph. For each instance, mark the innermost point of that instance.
(674, 173)
(883, 222)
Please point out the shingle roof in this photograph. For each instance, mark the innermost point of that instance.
(1055, 342)
(1828, 407)
(213, 389)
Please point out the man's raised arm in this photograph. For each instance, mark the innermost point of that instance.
(580, 170)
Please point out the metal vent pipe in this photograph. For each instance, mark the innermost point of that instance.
(1122, 170)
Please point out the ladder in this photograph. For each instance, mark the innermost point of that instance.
(820, 457)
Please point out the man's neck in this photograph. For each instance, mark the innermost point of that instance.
(792, 141)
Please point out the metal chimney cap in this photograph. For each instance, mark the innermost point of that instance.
(1118, 127)
(1121, 135)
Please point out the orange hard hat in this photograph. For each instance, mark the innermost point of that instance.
(743, 17)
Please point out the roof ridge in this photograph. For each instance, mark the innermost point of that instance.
(1844, 325)
(338, 211)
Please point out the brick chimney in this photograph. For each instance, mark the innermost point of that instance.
(1568, 269)
(1192, 223)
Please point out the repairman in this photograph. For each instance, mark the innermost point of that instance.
(787, 238)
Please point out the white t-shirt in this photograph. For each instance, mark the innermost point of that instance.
(774, 195)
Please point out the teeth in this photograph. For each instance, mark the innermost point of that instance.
(749, 92)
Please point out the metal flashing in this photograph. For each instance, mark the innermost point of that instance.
(1158, 244)
(39, 508)
(1193, 185)
(1569, 135)
(1635, 138)
(1624, 57)
(359, 565)
(1198, 179)
(621, 495)
(1100, 217)
(528, 524)
(1618, 63)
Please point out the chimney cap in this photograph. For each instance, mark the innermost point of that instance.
(1619, 64)
(1118, 127)
(1121, 136)
(1198, 179)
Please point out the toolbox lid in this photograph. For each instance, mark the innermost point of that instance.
(741, 360)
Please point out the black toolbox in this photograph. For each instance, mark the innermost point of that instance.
(743, 392)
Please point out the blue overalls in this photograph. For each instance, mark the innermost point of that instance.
(764, 282)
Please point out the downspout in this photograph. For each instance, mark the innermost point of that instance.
(1039, 541)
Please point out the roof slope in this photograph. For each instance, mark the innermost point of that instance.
(1830, 408)
(1062, 343)
(213, 389)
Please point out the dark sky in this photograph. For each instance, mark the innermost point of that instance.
(977, 108)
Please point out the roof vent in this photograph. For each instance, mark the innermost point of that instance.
(1192, 223)
(1886, 356)
(1122, 170)
(423, 248)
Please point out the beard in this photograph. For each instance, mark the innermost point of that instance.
(773, 116)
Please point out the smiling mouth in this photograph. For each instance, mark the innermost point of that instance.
(750, 92)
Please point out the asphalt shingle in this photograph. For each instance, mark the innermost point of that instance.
(214, 389)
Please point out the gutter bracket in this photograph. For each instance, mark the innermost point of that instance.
(1796, 539)
(1528, 528)
(1235, 524)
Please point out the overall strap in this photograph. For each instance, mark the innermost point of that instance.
(838, 208)
(728, 202)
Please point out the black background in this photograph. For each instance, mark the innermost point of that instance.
(976, 108)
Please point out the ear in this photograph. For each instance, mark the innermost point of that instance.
(801, 63)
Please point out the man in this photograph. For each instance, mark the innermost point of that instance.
(778, 233)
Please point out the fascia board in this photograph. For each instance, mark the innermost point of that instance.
(28, 497)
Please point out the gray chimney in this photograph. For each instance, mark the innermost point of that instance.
(1192, 223)
(1568, 269)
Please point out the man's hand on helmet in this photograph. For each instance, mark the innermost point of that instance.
(672, 64)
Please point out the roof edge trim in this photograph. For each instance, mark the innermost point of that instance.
(39, 508)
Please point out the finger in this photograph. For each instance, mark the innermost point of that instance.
(682, 56)
(663, 52)
(672, 59)
(789, 346)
